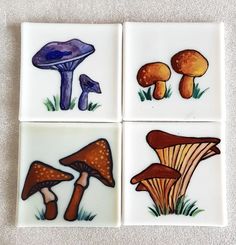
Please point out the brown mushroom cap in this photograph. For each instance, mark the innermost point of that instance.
(96, 159)
(153, 72)
(41, 175)
(156, 170)
(158, 139)
(189, 62)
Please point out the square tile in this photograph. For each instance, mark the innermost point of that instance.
(173, 174)
(173, 71)
(58, 159)
(71, 72)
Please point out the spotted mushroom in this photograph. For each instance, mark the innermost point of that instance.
(191, 64)
(42, 177)
(93, 160)
(156, 74)
(157, 179)
(63, 57)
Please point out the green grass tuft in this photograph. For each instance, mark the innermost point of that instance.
(197, 92)
(168, 92)
(54, 104)
(93, 106)
(85, 215)
(40, 215)
(145, 95)
(183, 207)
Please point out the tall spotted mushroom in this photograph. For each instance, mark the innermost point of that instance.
(154, 74)
(157, 179)
(191, 64)
(94, 160)
(182, 154)
(42, 177)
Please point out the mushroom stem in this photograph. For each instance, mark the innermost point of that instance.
(50, 201)
(83, 101)
(66, 89)
(159, 90)
(73, 206)
(186, 87)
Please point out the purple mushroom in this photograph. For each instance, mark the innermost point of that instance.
(88, 86)
(64, 57)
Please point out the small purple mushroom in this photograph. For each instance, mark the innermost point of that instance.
(64, 57)
(88, 86)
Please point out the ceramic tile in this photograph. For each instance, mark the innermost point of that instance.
(173, 174)
(71, 72)
(173, 72)
(69, 174)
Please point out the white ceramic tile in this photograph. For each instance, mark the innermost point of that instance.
(146, 43)
(206, 185)
(45, 147)
(93, 50)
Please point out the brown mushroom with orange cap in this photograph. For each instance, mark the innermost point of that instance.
(157, 179)
(41, 177)
(94, 160)
(191, 64)
(183, 154)
(156, 74)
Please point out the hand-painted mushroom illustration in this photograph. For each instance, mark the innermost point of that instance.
(191, 64)
(157, 74)
(157, 179)
(64, 57)
(41, 177)
(95, 160)
(182, 154)
(88, 86)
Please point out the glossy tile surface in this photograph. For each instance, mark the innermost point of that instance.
(57, 160)
(71, 72)
(173, 180)
(183, 62)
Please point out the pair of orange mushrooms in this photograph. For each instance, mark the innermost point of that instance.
(179, 156)
(94, 160)
(189, 63)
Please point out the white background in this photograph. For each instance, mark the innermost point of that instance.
(49, 143)
(147, 43)
(103, 66)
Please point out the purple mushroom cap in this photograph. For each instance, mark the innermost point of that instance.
(64, 57)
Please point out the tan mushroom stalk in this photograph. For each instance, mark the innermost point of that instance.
(154, 74)
(41, 177)
(182, 154)
(191, 64)
(93, 160)
(157, 179)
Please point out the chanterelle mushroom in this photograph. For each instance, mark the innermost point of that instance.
(182, 154)
(154, 74)
(88, 86)
(41, 177)
(191, 64)
(64, 57)
(93, 160)
(157, 179)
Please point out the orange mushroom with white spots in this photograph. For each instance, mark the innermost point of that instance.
(94, 160)
(190, 63)
(41, 177)
(156, 74)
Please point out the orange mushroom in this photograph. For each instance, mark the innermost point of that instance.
(154, 74)
(94, 160)
(41, 177)
(191, 64)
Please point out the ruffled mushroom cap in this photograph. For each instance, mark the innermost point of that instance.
(41, 175)
(88, 85)
(95, 159)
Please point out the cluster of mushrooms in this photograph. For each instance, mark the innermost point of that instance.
(179, 156)
(93, 160)
(189, 63)
(65, 57)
